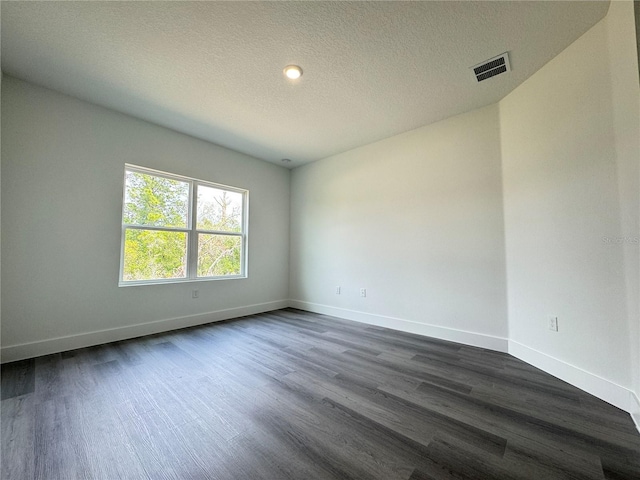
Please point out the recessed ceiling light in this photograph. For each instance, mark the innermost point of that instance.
(292, 71)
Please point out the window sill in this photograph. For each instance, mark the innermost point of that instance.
(174, 281)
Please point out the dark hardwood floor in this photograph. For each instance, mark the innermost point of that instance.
(294, 395)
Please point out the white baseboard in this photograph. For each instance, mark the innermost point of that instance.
(490, 342)
(61, 344)
(602, 388)
(635, 410)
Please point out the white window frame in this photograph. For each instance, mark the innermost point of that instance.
(191, 230)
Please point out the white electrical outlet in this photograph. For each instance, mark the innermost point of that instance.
(338, 290)
(195, 293)
(363, 292)
(553, 324)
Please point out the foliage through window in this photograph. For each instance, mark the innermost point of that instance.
(178, 229)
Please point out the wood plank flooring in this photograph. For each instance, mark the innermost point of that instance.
(295, 395)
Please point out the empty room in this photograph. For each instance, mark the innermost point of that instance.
(320, 240)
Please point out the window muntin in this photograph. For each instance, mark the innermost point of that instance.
(177, 229)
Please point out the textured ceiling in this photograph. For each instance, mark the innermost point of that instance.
(214, 69)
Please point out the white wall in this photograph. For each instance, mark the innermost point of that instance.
(1, 78)
(570, 169)
(419, 220)
(62, 173)
(621, 33)
(415, 219)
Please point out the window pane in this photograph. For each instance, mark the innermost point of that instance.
(155, 201)
(219, 255)
(219, 209)
(154, 255)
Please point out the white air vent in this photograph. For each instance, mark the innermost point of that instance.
(492, 67)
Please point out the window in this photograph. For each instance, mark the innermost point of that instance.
(178, 229)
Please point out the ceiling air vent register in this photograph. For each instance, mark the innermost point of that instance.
(492, 67)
